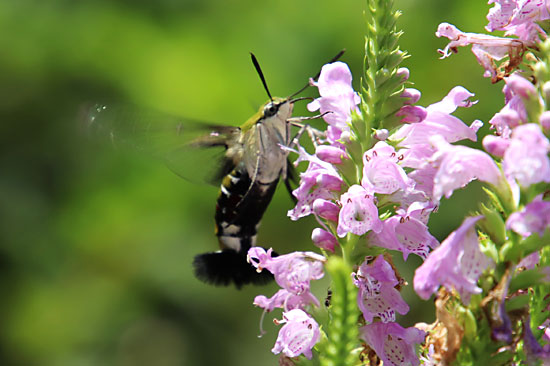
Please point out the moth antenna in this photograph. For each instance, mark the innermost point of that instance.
(335, 58)
(261, 74)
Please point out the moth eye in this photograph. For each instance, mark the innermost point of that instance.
(270, 110)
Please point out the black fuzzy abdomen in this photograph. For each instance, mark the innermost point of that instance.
(239, 209)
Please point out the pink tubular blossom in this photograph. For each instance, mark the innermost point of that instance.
(533, 218)
(337, 97)
(406, 232)
(459, 165)
(293, 272)
(381, 173)
(323, 239)
(526, 159)
(320, 180)
(456, 263)
(298, 335)
(393, 344)
(377, 295)
(439, 121)
(518, 18)
(487, 49)
(495, 145)
(285, 300)
(359, 214)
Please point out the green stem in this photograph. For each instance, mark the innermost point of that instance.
(342, 331)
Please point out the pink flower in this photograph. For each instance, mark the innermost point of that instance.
(533, 218)
(392, 343)
(377, 295)
(459, 165)
(337, 97)
(439, 121)
(293, 272)
(487, 49)
(320, 181)
(406, 232)
(381, 173)
(285, 300)
(518, 17)
(359, 214)
(298, 335)
(526, 159)
(457, 262)
(323, 239)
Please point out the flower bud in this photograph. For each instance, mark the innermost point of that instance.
(412, 114)
(323, 239)
(411, 95)
(330, 154)
(326, 209)
(544, 120)
(382, 134)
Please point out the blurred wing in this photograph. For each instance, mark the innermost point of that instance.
(191, 149)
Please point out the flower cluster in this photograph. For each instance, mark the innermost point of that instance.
(372, 184)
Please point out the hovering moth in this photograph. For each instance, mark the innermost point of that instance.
(251, 161)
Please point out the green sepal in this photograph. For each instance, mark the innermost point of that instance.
(468, 322)
(493, 225)
(515, 252)
(488, 248)
(517, 302)
(526, 279)
(388, 83)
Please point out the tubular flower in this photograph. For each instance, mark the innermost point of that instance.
(337, 97)
(534, 218)
(457, 262)
(381, 172)
(298, 336)
(526, 159)
(377, 295)
(459, 165)
(393, 344)
(487, 49)
(359, 214)
(518, 18)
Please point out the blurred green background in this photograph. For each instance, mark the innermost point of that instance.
(96, 244)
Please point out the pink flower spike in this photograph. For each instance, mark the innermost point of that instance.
(393, 344)
(526, 159)
(359, 214)
(298, 335)
(459, 165)
(456, 263)
(323, 239)
(377, 294)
